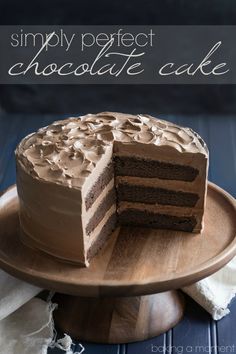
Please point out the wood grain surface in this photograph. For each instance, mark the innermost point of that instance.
(118, 319)
(134, 261)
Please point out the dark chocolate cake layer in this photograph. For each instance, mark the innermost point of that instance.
(99, 185)
(106, 231)
(106, 204)
(139, 167)
(154, 195)
(145, 218)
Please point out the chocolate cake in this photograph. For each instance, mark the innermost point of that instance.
(79, 178)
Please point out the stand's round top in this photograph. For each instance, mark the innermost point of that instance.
(134, 261)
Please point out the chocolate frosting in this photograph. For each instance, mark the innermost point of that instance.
(67, 151)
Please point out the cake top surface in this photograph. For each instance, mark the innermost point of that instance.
(67, 151)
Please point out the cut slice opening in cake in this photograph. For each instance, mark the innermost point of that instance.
(140, 191)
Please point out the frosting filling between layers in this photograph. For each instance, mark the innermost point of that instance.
(162, 183)
(166, 209)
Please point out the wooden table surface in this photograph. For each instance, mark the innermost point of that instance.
(197, 333)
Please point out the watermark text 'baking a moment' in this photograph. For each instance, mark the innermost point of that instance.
(194, 349)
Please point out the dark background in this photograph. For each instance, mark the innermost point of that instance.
(156, 99)
(210, 110)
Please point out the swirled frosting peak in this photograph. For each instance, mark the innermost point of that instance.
(67, 151)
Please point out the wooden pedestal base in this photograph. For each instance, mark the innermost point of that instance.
(118, 319)
(134, 261)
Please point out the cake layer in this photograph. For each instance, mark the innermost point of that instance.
(146, 218)
(140, 167)
(106, 176)
(192, 187)
(163, 209)
(154, 195)
(108, 201)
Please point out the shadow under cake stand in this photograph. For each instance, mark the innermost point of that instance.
(127, 293)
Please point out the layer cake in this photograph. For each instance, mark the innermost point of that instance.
(79, 178)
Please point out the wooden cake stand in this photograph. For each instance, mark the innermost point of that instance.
(127, 293)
